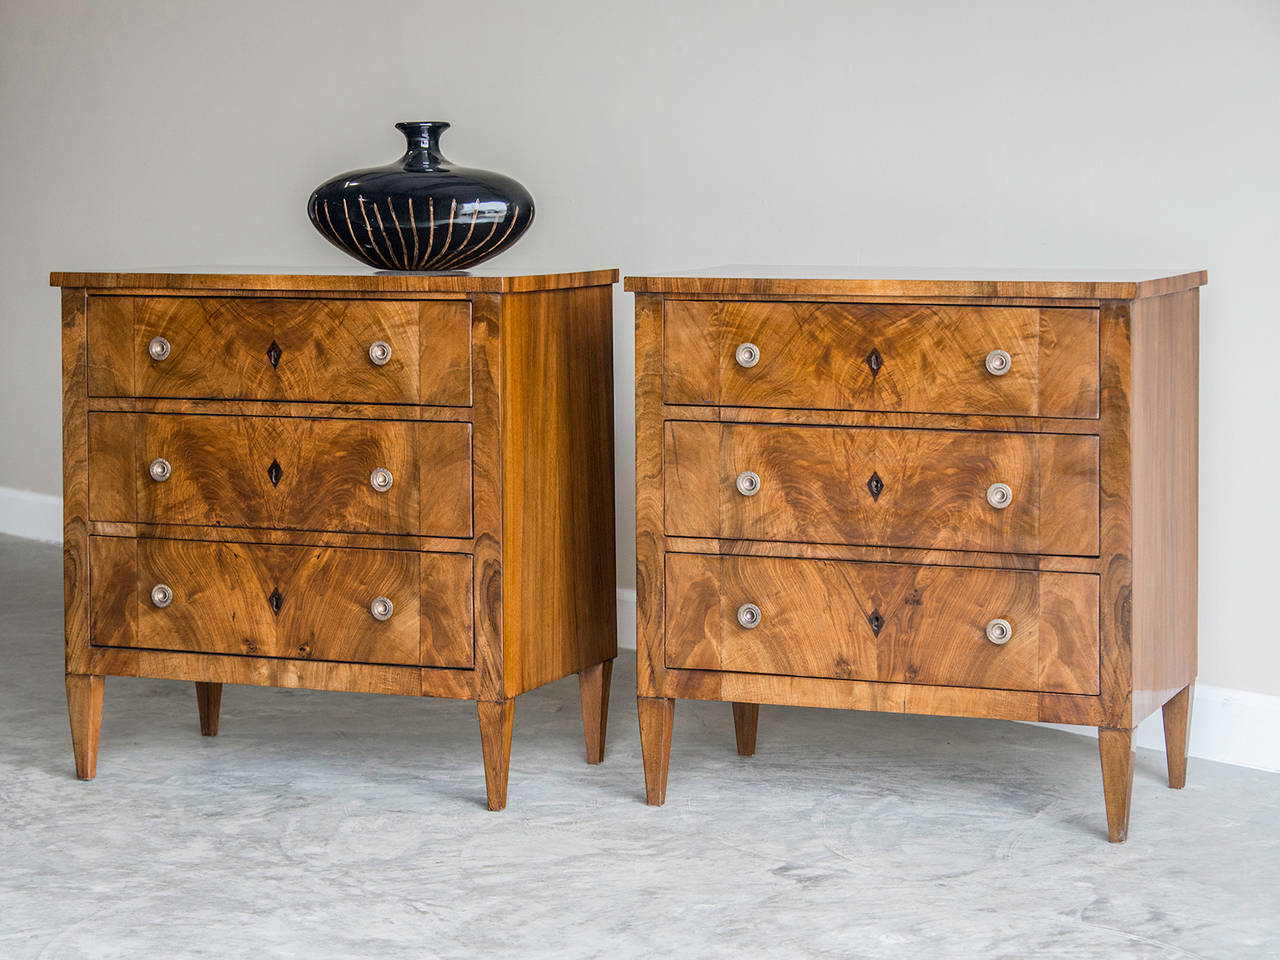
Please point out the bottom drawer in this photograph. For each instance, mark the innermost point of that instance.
(304, 603)
(888, 622)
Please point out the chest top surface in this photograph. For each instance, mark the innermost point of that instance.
(757, 280)
(292, 278)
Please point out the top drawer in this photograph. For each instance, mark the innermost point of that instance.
(280, 349)
(911, 358)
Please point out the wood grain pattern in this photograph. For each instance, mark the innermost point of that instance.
(1177, 725)
(489, 567)
(222, 601)
(657, 720)
(557, 519)
(209, 703)
(746, 720)
(219, 348)
(84, 704)
(496, 721)
(919, 698)
(221, 477)
(910, 358)
(814, 487)
(75, 484)
(593, 689)
(927, 282)
(1116, 750)
(1165, 460)
(650, 527)
(357, 282)
(889, 622)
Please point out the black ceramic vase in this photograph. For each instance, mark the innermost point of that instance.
(421, 212)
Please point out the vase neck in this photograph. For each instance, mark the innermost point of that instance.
(424, 144)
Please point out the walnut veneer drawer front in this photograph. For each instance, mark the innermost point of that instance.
(358, 351)
(354, 606)
(382, 476)
(941, 489)
(883, 621)
(1017, 361)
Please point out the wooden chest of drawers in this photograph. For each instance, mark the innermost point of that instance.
(972, 496)
(380, 483)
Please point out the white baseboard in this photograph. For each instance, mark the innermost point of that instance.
(1230, 726)
(36, 516)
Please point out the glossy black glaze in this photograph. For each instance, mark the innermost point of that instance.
(421, 212)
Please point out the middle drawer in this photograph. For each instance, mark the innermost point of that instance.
(357, 476)
(932, 489)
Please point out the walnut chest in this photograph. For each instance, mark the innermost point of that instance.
(390, 483)
(919, 492)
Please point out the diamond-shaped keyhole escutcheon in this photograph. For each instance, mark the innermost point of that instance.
(276, 601)
(274, 473)
(874, 361)
(876, 621)
(876, 486)
(274, 353)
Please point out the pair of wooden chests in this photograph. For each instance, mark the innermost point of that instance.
(895, 491)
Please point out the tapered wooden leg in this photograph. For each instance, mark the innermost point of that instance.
(495, 740)
(84, 703)
(1177, 725)
(746, 716)
(1116, 748)
(593, 687)
(209, 700)
(657, 716)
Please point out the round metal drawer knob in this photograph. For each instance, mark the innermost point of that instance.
(381, 479)
(380, 352)
(749, 616)
(999, 495)
(999, 362)
(747, 355)
(382, 608)
(999, 631)
(161, 595)
(748, 483)
(160, 470)
(158, 348)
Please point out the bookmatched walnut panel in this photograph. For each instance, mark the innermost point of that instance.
(901, 488)
(873, 356)
(281, 349)
(222, 473)
(897, 623)
(301, 603)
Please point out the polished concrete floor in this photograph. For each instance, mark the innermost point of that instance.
(341, 825)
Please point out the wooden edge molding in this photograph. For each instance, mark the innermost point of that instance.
(1050, 289)
(306, 283)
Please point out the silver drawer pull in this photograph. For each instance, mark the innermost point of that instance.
(160, 470)
(748, 483)
(161, 595)
(380, 352)
(382, 608)
(749, 616)
(999, 495)
(158, 348)
(381, 479)
(747, 355)
(999, 631)
(999, 362)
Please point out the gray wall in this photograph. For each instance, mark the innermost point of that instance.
(661, 135)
